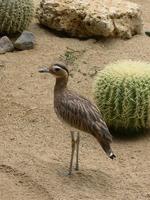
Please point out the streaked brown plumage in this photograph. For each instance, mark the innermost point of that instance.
(78, 112)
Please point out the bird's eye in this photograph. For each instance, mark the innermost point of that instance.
(57, 69)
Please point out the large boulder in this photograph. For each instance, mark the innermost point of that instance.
(91, 18)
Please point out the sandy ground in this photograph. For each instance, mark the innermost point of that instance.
(35, 146)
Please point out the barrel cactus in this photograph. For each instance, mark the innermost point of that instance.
(122, 93)
(15, 15)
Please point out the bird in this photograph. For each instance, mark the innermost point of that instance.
(78, 112)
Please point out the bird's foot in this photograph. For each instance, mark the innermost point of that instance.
(66, 174)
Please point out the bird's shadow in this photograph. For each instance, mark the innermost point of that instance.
(89, 178)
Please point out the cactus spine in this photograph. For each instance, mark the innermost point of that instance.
(15, 15)
(122, 93)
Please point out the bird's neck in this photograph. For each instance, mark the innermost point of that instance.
(61, 84)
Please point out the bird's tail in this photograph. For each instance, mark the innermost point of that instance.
(107, 148)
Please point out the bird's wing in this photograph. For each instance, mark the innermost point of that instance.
(82, 114)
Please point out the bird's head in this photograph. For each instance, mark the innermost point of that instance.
(58, 70)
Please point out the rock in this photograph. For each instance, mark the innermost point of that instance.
(25, 41)
(6, 45)
(86, 18)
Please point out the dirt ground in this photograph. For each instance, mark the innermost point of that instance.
(35, 146)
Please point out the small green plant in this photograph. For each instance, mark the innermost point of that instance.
(122, 93)
(15, 15)
(71, 55)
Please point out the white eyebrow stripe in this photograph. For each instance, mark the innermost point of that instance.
(61, 67)
(56, 66)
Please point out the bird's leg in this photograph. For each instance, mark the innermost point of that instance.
(77, 153)
(72, 152)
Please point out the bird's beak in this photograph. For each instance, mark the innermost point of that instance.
(44, 70)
